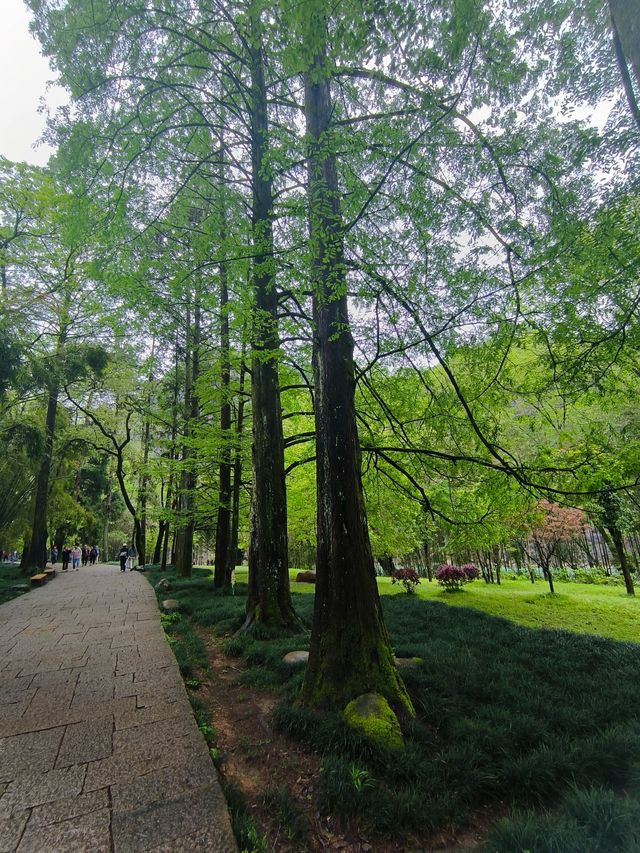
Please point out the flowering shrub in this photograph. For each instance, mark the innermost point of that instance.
(471, 572)
(407, 577)
(452, 578)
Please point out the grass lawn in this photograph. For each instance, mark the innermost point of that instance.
(12, 583)
(542, 722)
(606, 611)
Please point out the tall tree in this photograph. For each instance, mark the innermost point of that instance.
(350, 652)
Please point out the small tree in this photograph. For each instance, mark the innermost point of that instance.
(552, 525)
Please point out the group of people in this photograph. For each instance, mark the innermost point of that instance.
(85, 554)
(127, 555)
(8, 556)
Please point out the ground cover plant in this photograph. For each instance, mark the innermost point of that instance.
(12, 582)
(539, 721)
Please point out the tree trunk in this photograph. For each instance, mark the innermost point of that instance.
(222, 575)
(105, 523)
(427, 560)
(237, 472)
(269, 598)
(165, 548)
(142, 493)
(157, 549)
(547, 573)
(350, 653)
(618, 544)
(183, 557)
(387, 565)
(36, 556)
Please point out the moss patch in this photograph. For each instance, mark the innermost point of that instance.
(371, 715)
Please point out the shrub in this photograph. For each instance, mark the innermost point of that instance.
(452, 578)
(407, 577)
(471, 572)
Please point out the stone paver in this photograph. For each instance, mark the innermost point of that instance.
(99, 749)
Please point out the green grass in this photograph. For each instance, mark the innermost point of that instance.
(12, 583)
(507, 714)
(604, 611)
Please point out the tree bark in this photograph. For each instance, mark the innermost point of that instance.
(222, 575)
(350, 653)
(237, 472)
(183, 557)
(618, 544)
(269, 602)
(36, 556)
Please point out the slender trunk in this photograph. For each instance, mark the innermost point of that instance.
(269, 598)
(142, 494)
(350, 653)
(36, 556)
(237, 473)
(105, 523)
(184, 539)
(157, 548)
(618, 544)
(222, 575)
(625, 30)
(549, 577)
(165, 548)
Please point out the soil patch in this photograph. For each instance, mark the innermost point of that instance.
(259, 761)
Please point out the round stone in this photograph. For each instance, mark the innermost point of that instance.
(407, 663)
(296, 657)
(170, 604)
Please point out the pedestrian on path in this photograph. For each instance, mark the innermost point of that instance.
(66, 556)
(93, 554)
(76, 556)
(122, 556)
(54, 555)
(131, 554)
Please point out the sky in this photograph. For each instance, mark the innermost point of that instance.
(25, 74)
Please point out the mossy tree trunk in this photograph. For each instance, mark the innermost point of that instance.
(350, 653)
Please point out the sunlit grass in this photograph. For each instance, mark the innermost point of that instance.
(605, 611)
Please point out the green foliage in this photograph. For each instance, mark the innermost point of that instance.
(591, 820)
(12, 582)
(284, 811)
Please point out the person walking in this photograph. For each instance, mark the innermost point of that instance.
(131, 554)
(122, 556)
(54, 555)
(66, 556)
(93, 553)
(76, 556)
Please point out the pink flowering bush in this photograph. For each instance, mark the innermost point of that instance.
(471, 572)
(452, 578)
(409, 578)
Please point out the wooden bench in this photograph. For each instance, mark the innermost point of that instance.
(50, 573)
(38, 580)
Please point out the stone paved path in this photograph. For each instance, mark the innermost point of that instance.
(99, 750)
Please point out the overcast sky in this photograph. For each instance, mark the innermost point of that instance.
(25, 74)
